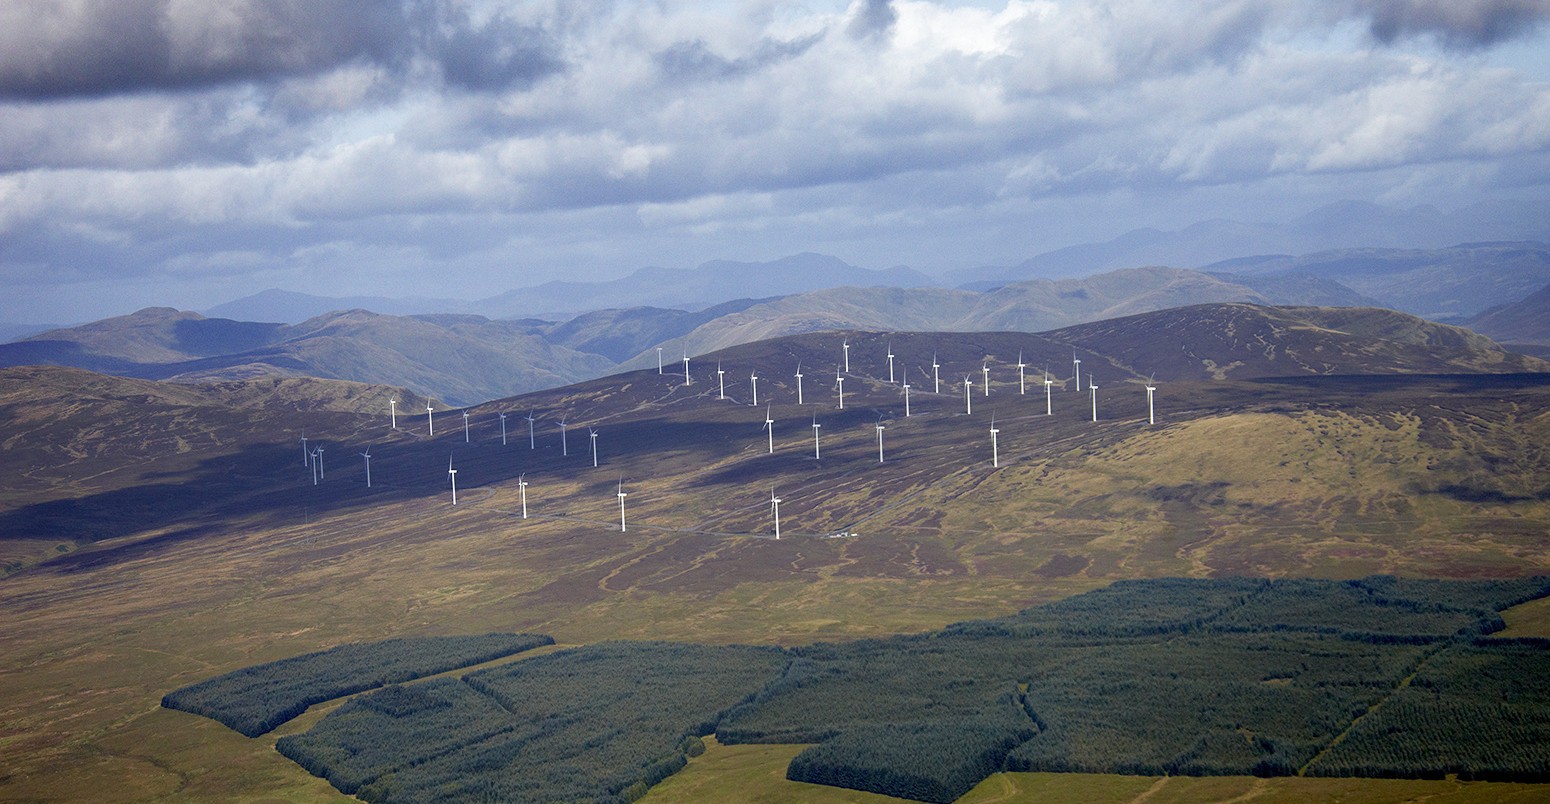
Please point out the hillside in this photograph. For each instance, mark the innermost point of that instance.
(1526, 321)
(186, 539)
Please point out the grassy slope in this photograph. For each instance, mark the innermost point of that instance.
(1346, 482)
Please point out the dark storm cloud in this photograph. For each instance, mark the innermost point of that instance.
(1466, 23)
(51, 50)
(875, 18)
(695, 60)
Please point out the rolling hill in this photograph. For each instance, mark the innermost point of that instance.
(195, 543)
(1526, 321)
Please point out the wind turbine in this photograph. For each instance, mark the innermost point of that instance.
(430, 423)
(452, 473)
(522, 487)
(306, 457)
(904, 374)
(799, 383)
(1076, 366)
(890, 362)
(1091, 386)
(775, 510)
(847, 355)
(1021, 388)
(817, 454)
(936, 378)
(722, 377)
(753, 380)
(968, 388)
(503, 429)
(532, 443)
(995, 447)
(465, 427)
(393, 412)
(622, 495)
(314, 466)
(564, 443)
(317, 456)
(985, 367)
(687, 381)
(659, 360)
(1049, 406)
(880, 440)
(839, 382)
(769, 424)
(1151, 418)
(593, 435)
(367, 456)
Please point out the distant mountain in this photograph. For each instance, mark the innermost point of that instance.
(696, 288)
(620, 334)
(1024, 306)
(288, 307)
(1522, 322)
(1448, 284)
(1343, 225)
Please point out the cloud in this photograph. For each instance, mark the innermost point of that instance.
(1462, 23)
(873, 19)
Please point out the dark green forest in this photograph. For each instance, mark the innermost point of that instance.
(1380, 677)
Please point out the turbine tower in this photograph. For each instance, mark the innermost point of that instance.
(430, 423)
(968, 389)
(564, 443)
(1022, 389)
(880, 440)
(659, 360)
(846, 344)
(593, 435)
(936, 377)
(1076, 368)
(904, 374)
(393, 412)
(799, 383)
(503, 429)
(839, 382)
(452, 474)
(1151, 417)
(817, 454)
(314, 465)
(687, 381)
(769, 424)
(367, 456)
(1091, 386)
(306, 457)
(985, 367)
(532, 443)
(890, 362)
(522, 487)
(995, 446)
(622, 495)
(1049, 405)
(465, 427)
(775, 511)
(317, 457)
(721, 376)
(753, 380)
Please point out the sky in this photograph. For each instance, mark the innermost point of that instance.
(185, 153)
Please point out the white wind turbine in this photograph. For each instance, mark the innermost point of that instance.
(721, 376)
(659, 360)
(904, 374)
(880, 440)
(846, 344)
(1076, 368)
(769, 425)
(817, 453)
(1092, 386)
(306, 457)
(775, 511)
(753, 380)
(314, 465)
(936, 376)
(367, 456)
(465, 427)
(995, 446)
(522, 487)
(799, 383)
(1049, 405)
(985, 367)
(564, 442)
(452, 474)
(393, 412)
(687, 381)
(317, 457)
(839, 382)
(593, 435)
(503, 429)
(430, 423)
(890, 362)
(1151, 417)
(1022, 389)
(622, 495)
(968, 390)
(532, 443)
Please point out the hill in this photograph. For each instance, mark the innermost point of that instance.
(1526, 321)
(186, 540)
(290, 307)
